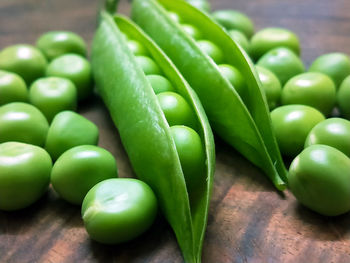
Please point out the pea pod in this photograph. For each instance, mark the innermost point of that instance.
(144, 131)
(242, 121)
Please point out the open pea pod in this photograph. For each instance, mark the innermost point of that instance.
(242, 121)
(145, 132)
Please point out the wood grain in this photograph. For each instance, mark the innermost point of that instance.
(248, 221)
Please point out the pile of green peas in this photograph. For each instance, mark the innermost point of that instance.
(309, 111)
(44, 141)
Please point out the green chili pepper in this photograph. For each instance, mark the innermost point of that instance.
(144, 130)
(242, 121)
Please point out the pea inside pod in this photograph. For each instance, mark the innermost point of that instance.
(255, 138)
(154, 155)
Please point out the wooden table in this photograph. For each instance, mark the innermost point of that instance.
(248, 221)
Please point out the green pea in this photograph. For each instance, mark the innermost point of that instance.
(343, 98)
(333, 132)
(320, 179)
(234, 76)
(232, 19)
(191, 153)
(78, 169)
(202, 5)
(12, 88)
(57, 43)
(174, 16)
(69, 129)
(283, 63)
(212, 50)
(271, 86)
(25, 60)
(160, 84)
(52, 95)
(312, 88)
(118, 210)
(148, 65)
(22, 122)
(75, 68)
(192, 31)
(137, 49)
(335, 65)
(24, 174)
(176, 109)
(292, 124)
(240, 39)
(273, 37)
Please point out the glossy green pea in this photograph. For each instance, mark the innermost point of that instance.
(136, 48)
(159, 83)
(335, 65)
(176, 109)
(202, 5)
(233, 19)
(12, 88)
(254, 137)
(333, 132)
(78, 169)
(57, 43)
(174, 16)
(311, 88)
(233, 76)
(25, 60)
(24, 174)
(22, 122)
(148, 65)
(292, 124)
(319, 178)
(52, 95)
(283, 63)
(273, 37)
(75, 68)
(271, 86)
(343, 98)
(152, 152)
(67, 130)
(240, 39)
(191, 153)
(212, 50)
(118, 210)
(192, 31)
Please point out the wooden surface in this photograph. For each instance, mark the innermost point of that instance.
(248, 221)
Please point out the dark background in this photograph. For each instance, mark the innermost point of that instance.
(248, 220)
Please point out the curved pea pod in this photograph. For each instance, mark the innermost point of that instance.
(242, 121)
(145, 133)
